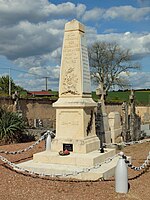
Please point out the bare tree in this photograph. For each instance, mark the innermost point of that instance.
(107, 62)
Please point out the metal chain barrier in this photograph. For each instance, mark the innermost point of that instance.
(127, 143)
(29, 172)
(84, 170)
(30, 147)
(53, 134)
(144, 165)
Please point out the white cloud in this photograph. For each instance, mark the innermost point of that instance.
(54, 71)
(139, 80)
(32, 84)
(127, 13)
(91, 34)
(93, 14)
(139, 44)
(80, 9)
(31, 28)
(27, 39)
(110, 30)
(36, 77)
(14, 11)
(144, 2)
(46, 71)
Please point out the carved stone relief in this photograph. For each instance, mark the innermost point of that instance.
(70, 81)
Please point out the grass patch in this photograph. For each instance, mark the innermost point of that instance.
(141, 97)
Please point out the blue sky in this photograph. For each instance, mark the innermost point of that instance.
(31, 36)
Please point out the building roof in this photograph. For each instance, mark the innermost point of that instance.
(40, 93)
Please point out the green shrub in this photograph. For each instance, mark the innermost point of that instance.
(12, 128)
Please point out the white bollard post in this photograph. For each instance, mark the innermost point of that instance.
(121, 176)
(48, 141)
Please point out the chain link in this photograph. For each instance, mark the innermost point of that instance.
(30, 147)
(144, 165)
(74, 173)
(127, 143)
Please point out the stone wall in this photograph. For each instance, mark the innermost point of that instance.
(142, 111)
(42, 109)
(33, 109)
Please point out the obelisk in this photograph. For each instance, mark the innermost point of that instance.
(75, 119)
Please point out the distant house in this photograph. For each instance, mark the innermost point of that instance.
(40, 94)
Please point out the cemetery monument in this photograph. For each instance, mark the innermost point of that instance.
(75, 118)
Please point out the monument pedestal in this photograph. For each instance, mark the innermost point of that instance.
(75, 125)
(77, 146)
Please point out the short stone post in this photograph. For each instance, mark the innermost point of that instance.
(121, 176)
(48, 141)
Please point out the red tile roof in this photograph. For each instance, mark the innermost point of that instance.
(40, 93)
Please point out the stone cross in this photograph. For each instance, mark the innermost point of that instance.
(125, 125)
(132, 116)
(100, 126)
(101, 93)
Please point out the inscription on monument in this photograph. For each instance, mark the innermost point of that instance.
(75, 74)
(85, 63)
(69, 147)
(71, 64)
(70, 119)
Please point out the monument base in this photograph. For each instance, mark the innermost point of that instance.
(76, 166)
(85, 160)
(85, 145)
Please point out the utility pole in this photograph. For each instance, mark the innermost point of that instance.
(9, 82)
(46, 78)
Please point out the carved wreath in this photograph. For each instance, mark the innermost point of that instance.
(70, 82)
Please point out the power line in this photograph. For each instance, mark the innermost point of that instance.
(24, 72)
(9, 68)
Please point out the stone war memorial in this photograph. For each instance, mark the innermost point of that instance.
(75, 118)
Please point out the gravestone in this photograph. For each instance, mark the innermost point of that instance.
(106, 129)
(115, 126)
(135, 121)
(125, 122)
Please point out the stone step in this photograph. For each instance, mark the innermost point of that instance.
(105, 171)
(76, 159)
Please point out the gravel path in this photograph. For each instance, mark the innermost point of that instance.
(15, 186)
